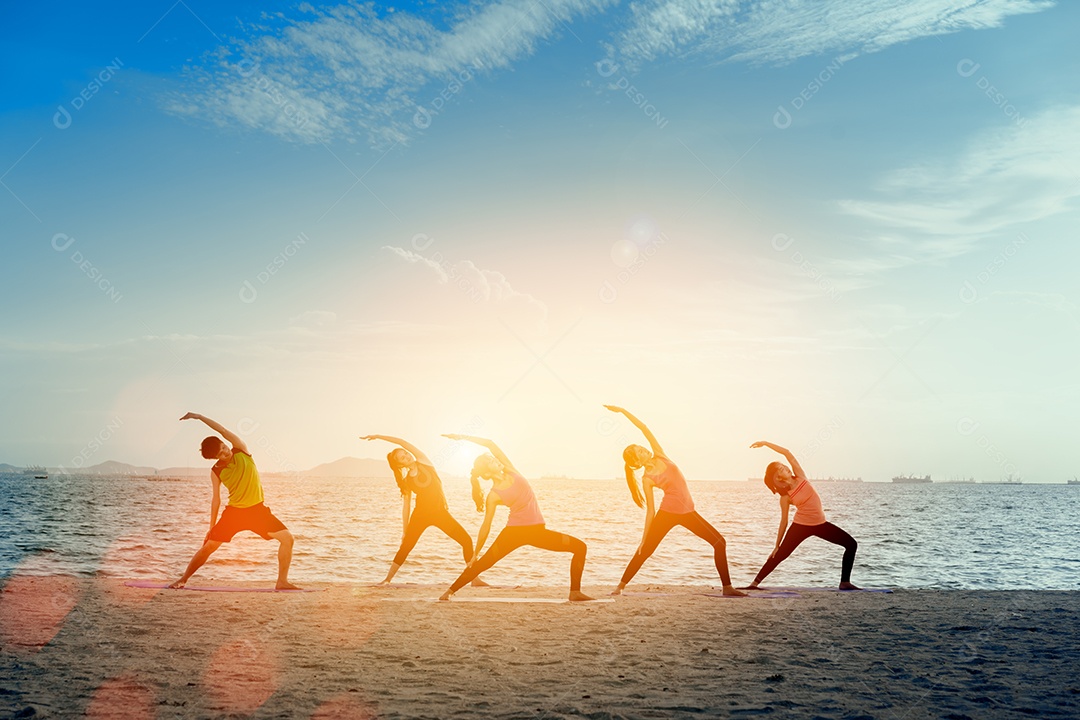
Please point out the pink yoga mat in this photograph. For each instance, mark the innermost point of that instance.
(165, 586)
(553, 601)
(407, 586)
(819, 589)
(756, 595)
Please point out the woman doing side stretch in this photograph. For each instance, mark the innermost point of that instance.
(525, 525)
(677, 508)
(794, 489)
(415, 475)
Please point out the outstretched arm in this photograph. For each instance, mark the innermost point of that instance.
(215, 502)
(406, 507)
(230, 437)
(795, 466)
(417, 452)
(785, 505)
(657, 450)
(485, 527)
(650, 510)
(490, 445)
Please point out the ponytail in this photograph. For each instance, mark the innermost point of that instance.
(629, 456)
(635, 489)
(477, 492)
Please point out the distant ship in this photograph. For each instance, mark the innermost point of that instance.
(1074, 481)
(37, 471)
(1010, 479)
(911, 480)
(958, 481)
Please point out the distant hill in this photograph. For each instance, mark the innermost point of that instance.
(351, 467)
(185, 471)
(345, 467)
(109, 467)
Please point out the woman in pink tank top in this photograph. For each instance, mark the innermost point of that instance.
(677, 507)
(794, 489)
(525, 525)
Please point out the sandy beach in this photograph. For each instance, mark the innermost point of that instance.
(97, 648)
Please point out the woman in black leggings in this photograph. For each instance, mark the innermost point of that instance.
(794, 489)
(415, 475)
(677, 507)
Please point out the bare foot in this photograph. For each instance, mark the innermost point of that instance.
(847, 586)
(618, 590)
(445, 596)
(285, 585)
(480, 583)
(178, 584)
(578, 596)
(732, 592)
(384, 583)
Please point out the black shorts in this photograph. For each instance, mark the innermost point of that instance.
(257, 518)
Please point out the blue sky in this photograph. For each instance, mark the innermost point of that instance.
(843, 229)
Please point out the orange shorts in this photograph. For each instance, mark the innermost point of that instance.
(257, 518)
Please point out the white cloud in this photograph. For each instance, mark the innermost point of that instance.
(351, 72)
(347, 71)
(410, 256)
(479, 285)
(315, 319)
(780, 31)
(1006, 176)
(1051, 301)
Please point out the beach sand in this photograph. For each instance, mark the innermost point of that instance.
(96, 648)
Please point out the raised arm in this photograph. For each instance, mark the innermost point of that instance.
(653, 442)
(417, 452)
(795, 466)
(230, 437)
(491, 447)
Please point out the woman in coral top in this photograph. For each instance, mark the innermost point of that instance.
(525, 526)
(677, 507)
(794, 489)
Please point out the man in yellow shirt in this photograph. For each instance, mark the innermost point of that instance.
(236, 471)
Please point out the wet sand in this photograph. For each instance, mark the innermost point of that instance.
(94, 647)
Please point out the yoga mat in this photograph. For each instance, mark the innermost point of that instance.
(819, 589)
(553, 601)
(165, 586)
(781, 594)
(406, 586)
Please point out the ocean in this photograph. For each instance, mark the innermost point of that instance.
(347, 530)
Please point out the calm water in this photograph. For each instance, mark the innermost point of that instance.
(347, 530)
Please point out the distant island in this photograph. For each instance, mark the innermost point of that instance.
(344, 467)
